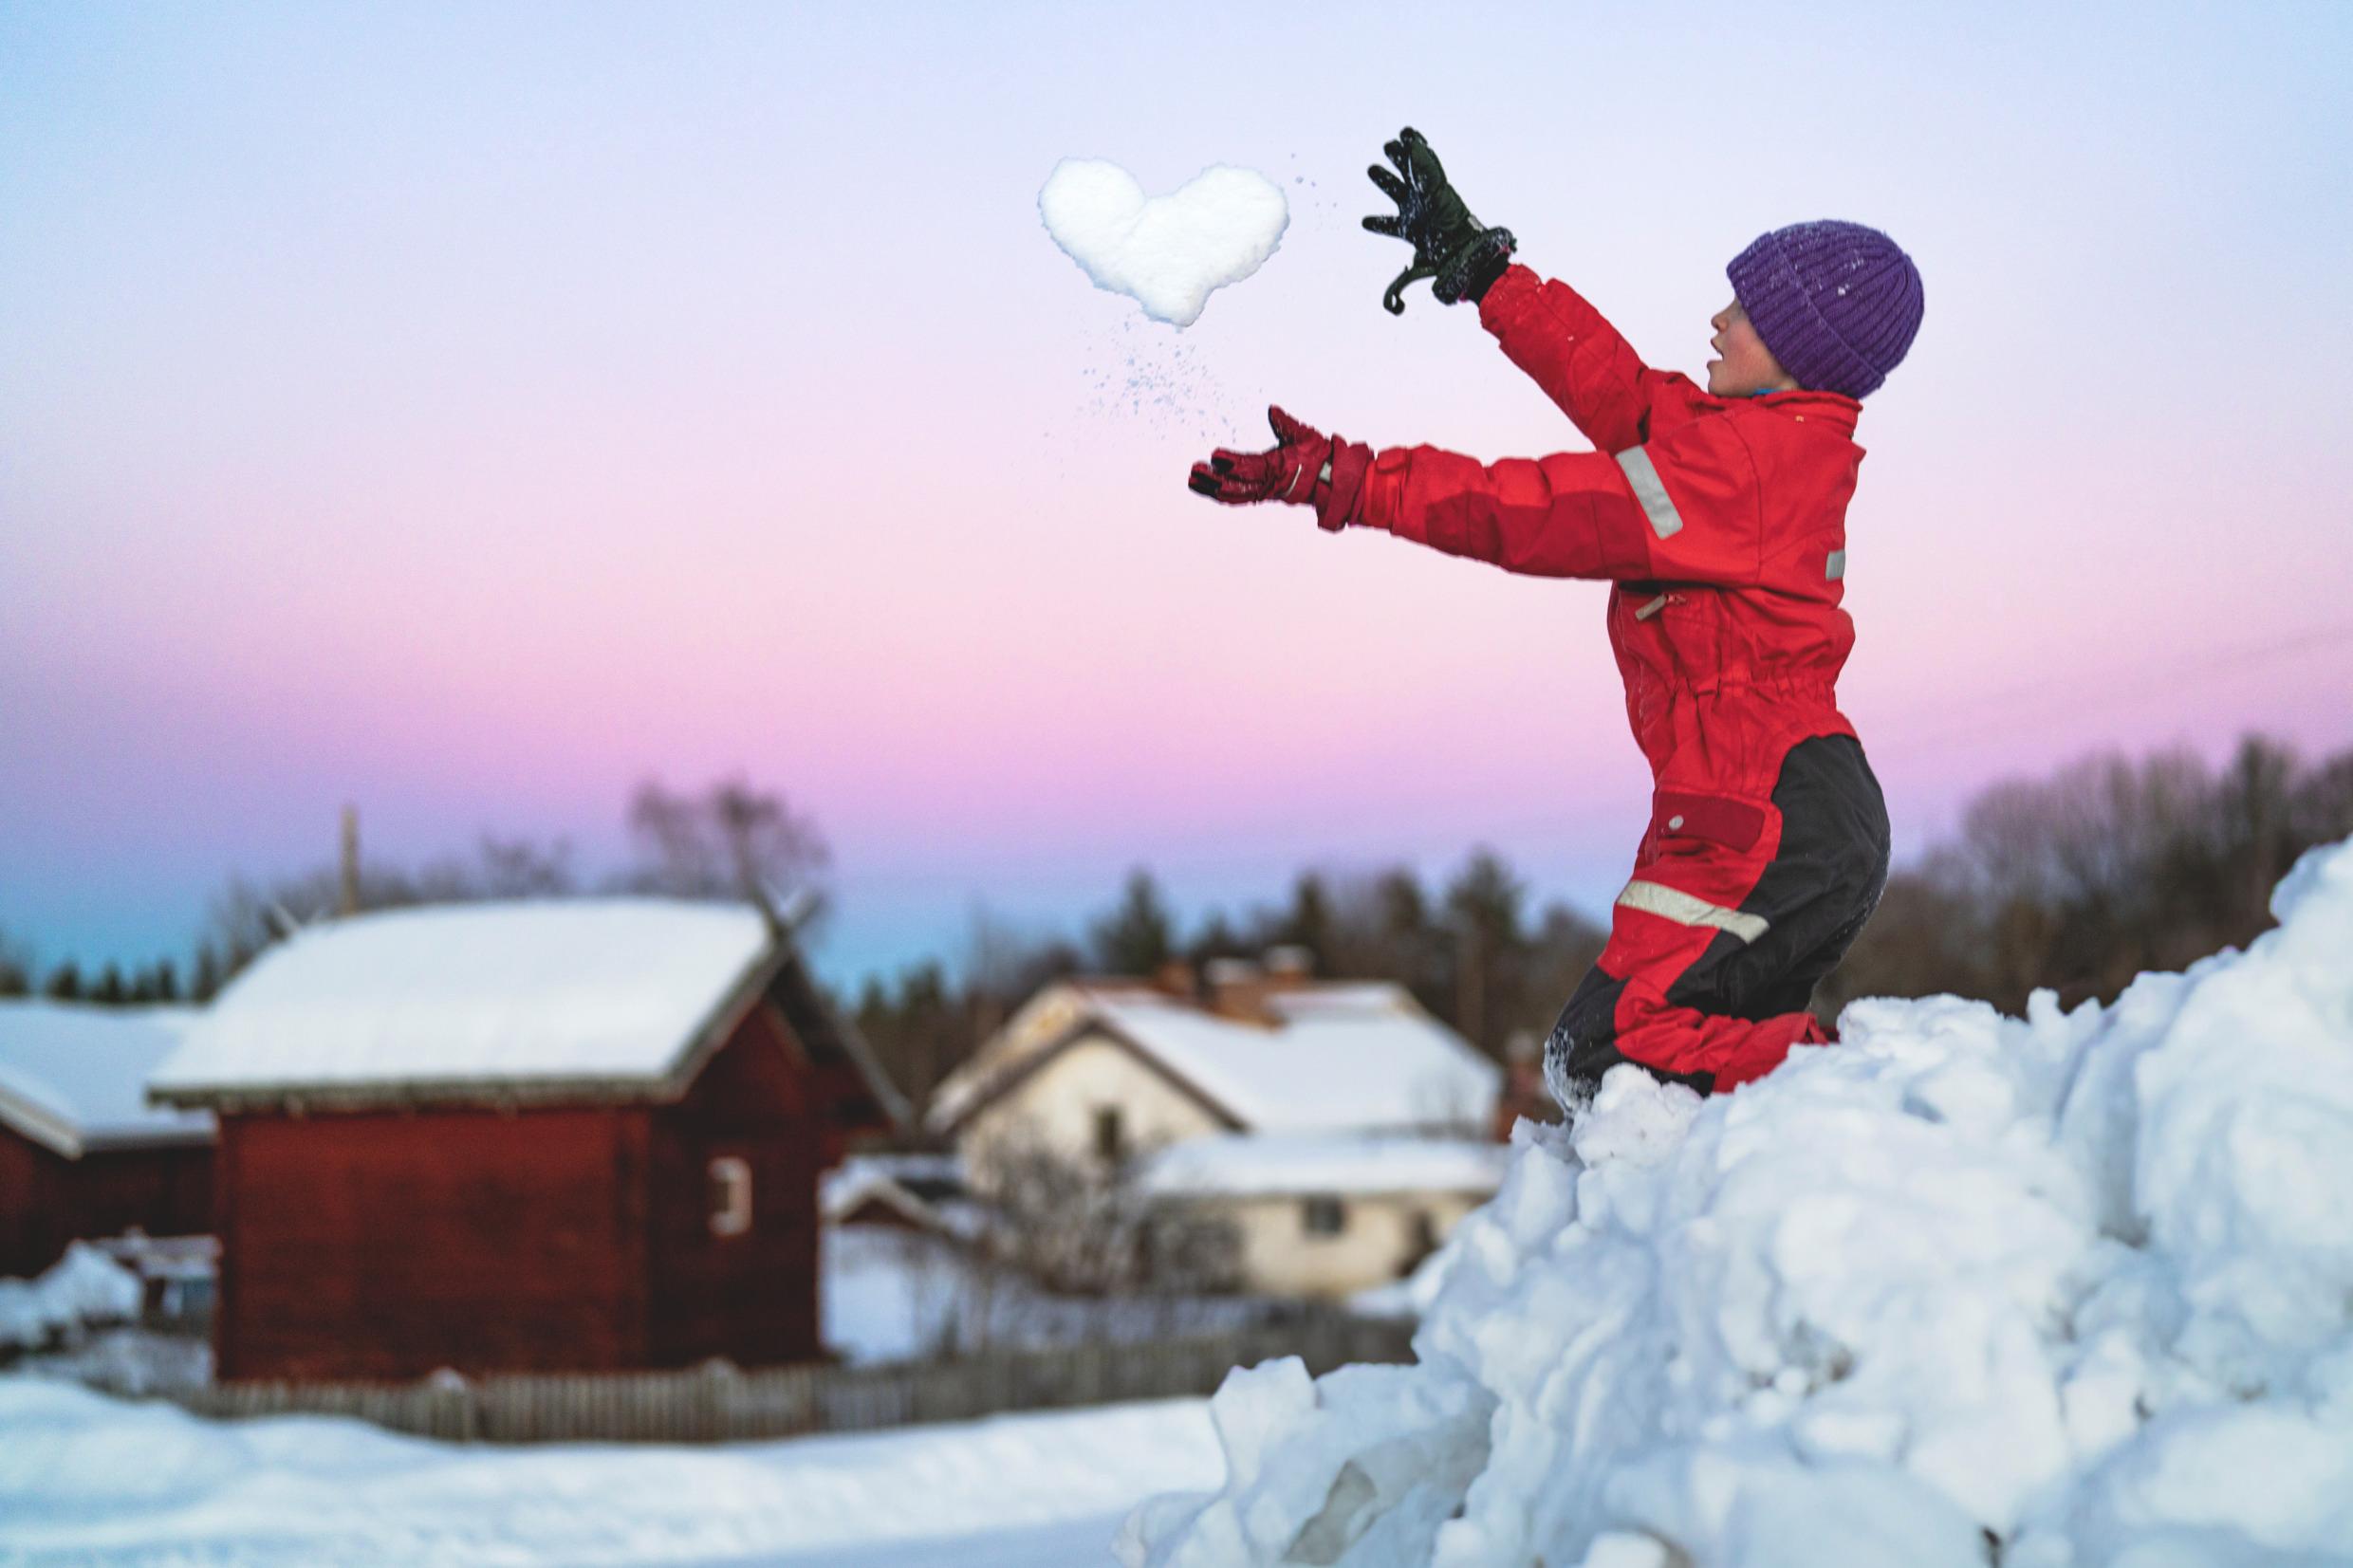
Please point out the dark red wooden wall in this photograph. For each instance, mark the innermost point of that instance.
(752, 1297)
(391, 1243)
(48, 1200)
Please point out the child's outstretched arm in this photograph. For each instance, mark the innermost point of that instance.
(1546, 328)
(1682, 508)
(1571, 351)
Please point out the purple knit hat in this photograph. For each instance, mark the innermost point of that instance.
(1836, 302)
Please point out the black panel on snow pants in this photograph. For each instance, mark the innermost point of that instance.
(1818, 892)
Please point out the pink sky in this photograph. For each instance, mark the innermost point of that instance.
(468, 415)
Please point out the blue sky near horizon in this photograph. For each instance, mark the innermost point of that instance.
(468, 412)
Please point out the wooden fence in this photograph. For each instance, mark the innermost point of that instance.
(718, 1403)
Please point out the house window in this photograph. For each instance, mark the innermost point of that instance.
(1424, 1242)
(731, 1196)
(1325, 1216)
(1110, 1141)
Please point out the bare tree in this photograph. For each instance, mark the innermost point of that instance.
(731, 841)
(247, 916)
(1088, 1227)
(518, 868)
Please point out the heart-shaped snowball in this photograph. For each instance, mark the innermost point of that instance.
(1167, 253)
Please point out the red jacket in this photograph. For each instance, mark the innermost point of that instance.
(1722, 521)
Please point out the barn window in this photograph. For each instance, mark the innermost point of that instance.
(731, 1196)
(1111, 1141)
(1325, 1216)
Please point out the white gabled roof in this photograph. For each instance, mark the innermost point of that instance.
(74, 1077)
(610, 995)
(901, 1181)
(1290, 1164)
(1356, 1056)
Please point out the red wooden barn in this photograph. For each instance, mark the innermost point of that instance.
(81, 1153)
(526, 1137)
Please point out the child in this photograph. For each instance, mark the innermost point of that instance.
(1720, 518)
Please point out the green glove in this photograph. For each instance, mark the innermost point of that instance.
(1462, 259)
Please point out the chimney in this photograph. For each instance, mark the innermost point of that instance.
(1290, 968)
(1237, 990)
(348, 902)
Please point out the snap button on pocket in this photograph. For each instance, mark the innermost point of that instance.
(1691, 821)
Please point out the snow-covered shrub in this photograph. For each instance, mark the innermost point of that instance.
(86, 1287)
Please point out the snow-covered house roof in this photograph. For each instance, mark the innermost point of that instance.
(1353, 1056)
(1290, 1164)
(74, 1078)
(925, 1190)
(535, 1000)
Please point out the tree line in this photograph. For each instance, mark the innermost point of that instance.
(2110, 866)
(730, 839)
(2077, 882)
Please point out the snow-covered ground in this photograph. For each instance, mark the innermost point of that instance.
(2069, 1290)
(93, 1482)
(2051, 1292)
(894, 1295)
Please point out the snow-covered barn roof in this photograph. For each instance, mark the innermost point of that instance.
(74, 1078)
(1282, 1164)
(596, 997)
(1353, 1056)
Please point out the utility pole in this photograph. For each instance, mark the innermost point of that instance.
(348, 903)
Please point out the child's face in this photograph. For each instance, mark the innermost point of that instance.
(1747, 365)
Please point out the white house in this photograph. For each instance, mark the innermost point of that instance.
(1374, 1114)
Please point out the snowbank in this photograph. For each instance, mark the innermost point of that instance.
(2074, 1289)
(84, 1286)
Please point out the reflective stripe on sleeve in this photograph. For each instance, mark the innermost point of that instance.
(1835, 567)
(1684, 909)
(1657, 504)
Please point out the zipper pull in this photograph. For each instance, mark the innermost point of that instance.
(1651, 609)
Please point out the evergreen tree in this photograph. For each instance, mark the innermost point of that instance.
(15, 968)
(1134, 938)
(1308, 922)
(206, 982)
(1218, 939)
(1483, 906)
(65, 982)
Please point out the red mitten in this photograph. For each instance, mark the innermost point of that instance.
(1304, 468)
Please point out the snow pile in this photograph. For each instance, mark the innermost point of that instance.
(1168, 253)
(84, 1286)
(2064, 1290)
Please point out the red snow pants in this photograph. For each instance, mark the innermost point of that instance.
(1737, 911)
